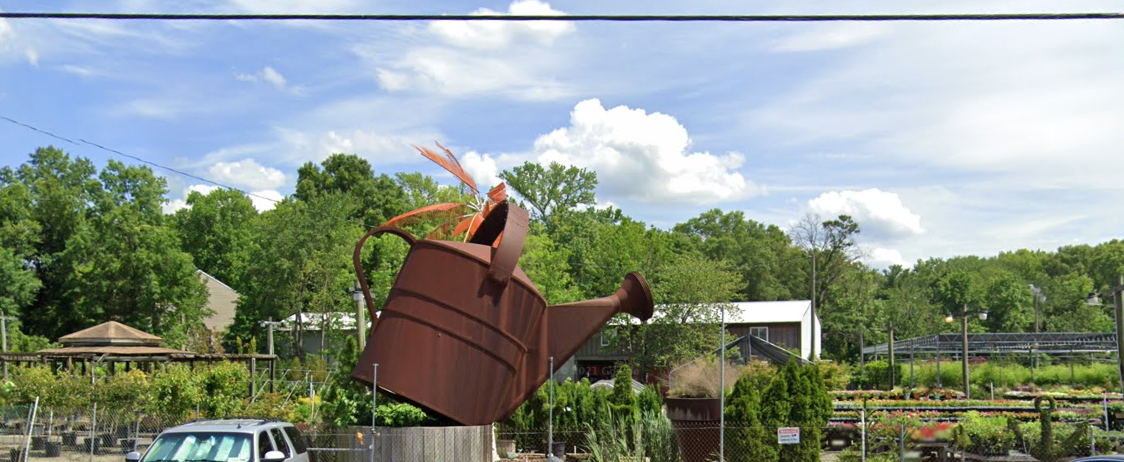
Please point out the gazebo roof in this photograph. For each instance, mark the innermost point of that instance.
(109, 334)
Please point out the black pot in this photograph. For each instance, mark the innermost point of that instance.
(38, 443)
(16, 455)
(53, 449)
(70, 439)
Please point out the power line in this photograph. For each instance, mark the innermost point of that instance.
(138, 159)
(575, 18)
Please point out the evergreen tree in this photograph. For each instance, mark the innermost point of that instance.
(747, 439)
(775, 407)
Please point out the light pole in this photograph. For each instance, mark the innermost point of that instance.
(1038, 299)
(360, 322)
(964, 344)
(892, 369)
(1118, 309)
(4, 333)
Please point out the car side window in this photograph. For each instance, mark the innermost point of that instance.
(264, 445)
(297, 439)
(279, 439)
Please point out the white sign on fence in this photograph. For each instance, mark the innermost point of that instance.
(788, 435)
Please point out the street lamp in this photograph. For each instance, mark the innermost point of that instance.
(360, 322)
(964, 346)
(1118, 310)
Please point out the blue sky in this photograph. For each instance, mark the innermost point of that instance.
(942, 139)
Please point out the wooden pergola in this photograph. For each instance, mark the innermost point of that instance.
(112, 343)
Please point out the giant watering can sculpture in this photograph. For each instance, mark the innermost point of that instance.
(465, 334)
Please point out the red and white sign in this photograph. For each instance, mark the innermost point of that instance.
(788, 435)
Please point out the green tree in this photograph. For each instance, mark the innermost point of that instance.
(622, 399)
(130, 268)
(304, 252)
(1010, 305)
(690, 293)
(553, 188)
(378, 198)
(747, 438)
(216, 231)
(58, 192)
(762, 254)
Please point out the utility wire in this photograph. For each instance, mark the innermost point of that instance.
(576, 18)
(138, 159)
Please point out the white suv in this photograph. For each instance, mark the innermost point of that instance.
(242, 440)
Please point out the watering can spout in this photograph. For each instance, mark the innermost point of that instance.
(571, 324)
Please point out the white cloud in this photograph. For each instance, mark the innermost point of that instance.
(265, 200)
(880, 214)
(482, 168)
(644, 157)
(455, 73)
(32, 56)
(883, 258)
(480, 58)
(7, 34)
(497, 34)
(247, 173)
(1018, 106)
(268, 75)
(175, 205)
(830, 37)
(78, 70)
(162, 108)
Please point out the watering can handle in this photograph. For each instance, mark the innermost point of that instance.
(511, 221)
(405, 235)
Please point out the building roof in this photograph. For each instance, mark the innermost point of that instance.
(221, 300)
(755, 312)
(114, 351)
(110, 333)
(338, 320)
(768, 312)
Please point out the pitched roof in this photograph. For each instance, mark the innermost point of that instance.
(767, 312)
(110, 333)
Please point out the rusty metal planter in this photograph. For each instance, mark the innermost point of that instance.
(466, 334)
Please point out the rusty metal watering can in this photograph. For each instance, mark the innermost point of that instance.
(464, 332)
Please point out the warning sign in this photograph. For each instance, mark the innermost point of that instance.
(788, 435)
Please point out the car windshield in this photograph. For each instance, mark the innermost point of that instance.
(200, 447)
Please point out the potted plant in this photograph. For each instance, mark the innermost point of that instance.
(694, 407)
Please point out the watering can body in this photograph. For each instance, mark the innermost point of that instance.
(464, 332)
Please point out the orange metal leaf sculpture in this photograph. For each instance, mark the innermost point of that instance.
(467, 217)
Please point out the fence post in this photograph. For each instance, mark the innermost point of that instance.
(93, 432)
(374, 406)
(901, 441)
(862, 425)
(1105, 396)
(1092, 441)
(30, 429)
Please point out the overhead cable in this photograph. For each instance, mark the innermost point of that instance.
(569, 18)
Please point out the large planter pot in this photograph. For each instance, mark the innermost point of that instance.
(695, 421)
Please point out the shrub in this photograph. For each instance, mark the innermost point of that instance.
(987, 436)
(748, 439)
(226, 385)
(836, 376)
(400, 415)
(876, 374)
(700, 379)
(175, 391)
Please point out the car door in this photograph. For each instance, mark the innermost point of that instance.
(281, 443)
(265, 444)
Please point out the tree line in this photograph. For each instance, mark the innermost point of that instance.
(80, 246)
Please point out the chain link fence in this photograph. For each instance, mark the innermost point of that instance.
(89, 435)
